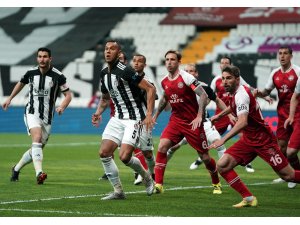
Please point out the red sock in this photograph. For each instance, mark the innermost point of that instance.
(297, 176)
(235, 182)
(160, 166)
(212, 169)
(294, 161)
(139, 154)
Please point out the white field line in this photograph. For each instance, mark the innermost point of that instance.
(51, 144)
(74, 212)
(127, 193)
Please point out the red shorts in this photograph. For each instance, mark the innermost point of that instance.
(175, 131)
(270, 153)
(295, 137)
(281, 132)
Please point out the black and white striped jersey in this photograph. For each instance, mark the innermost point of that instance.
(43, 92)
(122, 85)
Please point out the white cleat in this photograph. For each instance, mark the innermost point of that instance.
(278, 181)
(249, 168)
(138, 180)
(149, 183)
(291, 185)
(195, 164)
(114, 196)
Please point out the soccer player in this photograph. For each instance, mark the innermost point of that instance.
(257, 139)
(132, 119)
(294, 120)
(217, 86)
(45, 82)
(143, 153)
(186, 120)
(284, 79)
(210, 131)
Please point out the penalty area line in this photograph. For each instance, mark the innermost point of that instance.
(127, 193)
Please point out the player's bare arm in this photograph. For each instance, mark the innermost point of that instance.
(103, 104)
(151, 94)
(220, 104)
(161, 106)
(261, 94)
(241, 123)
(225, 112)
(293, 104)
(19, 86)
(202, 102)
(68, 97)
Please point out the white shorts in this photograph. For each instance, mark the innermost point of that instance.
(122, 131)
(211, 132)
(145, 142)
(32, 121)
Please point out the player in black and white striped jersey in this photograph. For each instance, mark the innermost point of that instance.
(124, 86)
(45, 82)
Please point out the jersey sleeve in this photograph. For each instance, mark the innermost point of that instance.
(25, 78)
(297, 70)
(270, 84)
(131, 76)
(62, 82)
(213, 84)
(242, 101)
(103, 87)
(190, 80)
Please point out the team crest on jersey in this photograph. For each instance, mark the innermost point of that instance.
(113, 93)
(180, 85)
(291, 77)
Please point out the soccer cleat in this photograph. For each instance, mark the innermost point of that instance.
(278, 180)
(217, 189)
(195, 164)
(14, 174)
(158, 189)
(249, 168)
(104, 177)
(41, 178)
(114, 196)
(138, 180)
(291, 185)
(149, 184)
(246, 203)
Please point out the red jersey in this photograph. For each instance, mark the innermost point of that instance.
(218, 87)
(285, 83)
(257, 132)
(180, 95)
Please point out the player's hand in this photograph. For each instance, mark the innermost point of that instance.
(288, 122)
(6, 104)
(255, 92)
(96, 119)
(59, 110)
(269, 100)
(196, 122)
(148, 122)
(216, 144)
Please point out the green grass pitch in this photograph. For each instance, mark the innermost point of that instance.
(73, 189)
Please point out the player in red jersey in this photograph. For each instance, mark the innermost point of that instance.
(284, 79)
(186, 119)
(257, 139)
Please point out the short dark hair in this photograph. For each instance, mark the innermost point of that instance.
(287, 47)
(226, 57)
(125, 56)
(44, 49)
(233, 70)
(177, 53)
(140, 55)
(112, 40)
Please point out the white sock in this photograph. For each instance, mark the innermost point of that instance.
(136, 165)
(221, 150)
(37, 157)
(169, 154)
(112, 172)
(151, 163)
(26, 159)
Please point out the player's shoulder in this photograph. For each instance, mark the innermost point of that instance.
(276, 70)
(296, 68)
(55, 70)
